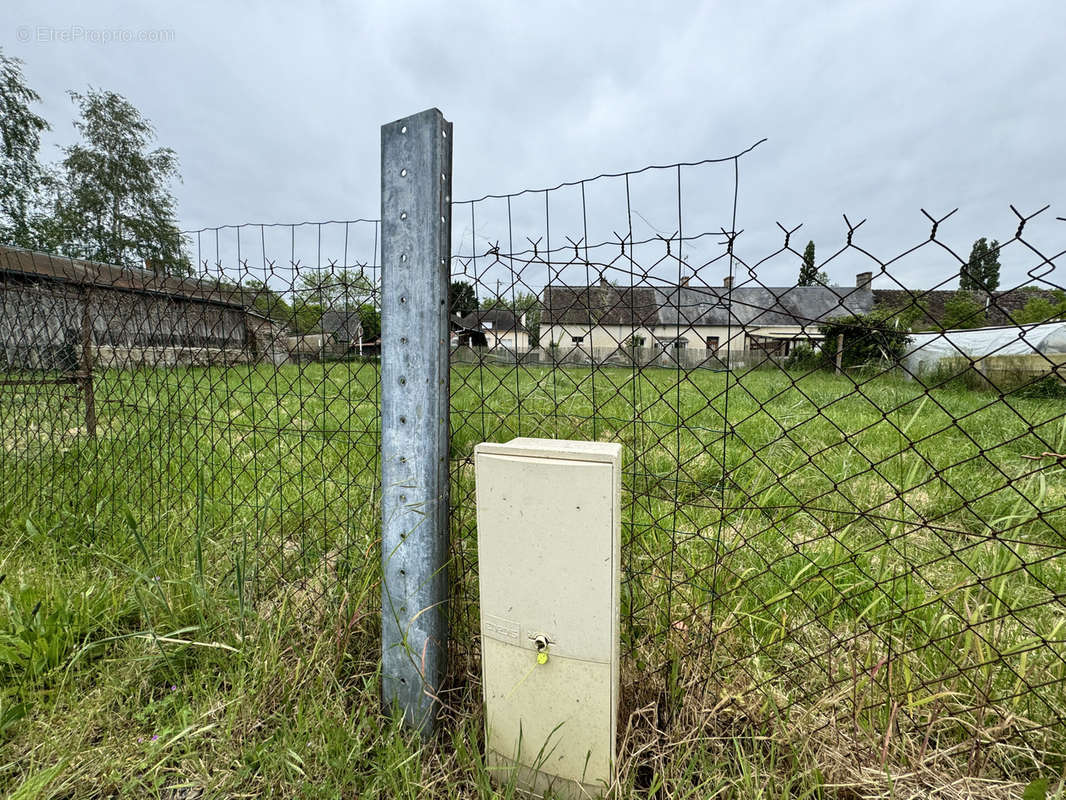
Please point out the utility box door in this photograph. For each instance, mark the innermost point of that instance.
(548, 514)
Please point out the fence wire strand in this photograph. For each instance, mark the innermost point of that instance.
(843, 505)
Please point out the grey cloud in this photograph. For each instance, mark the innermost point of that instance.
(872, 109)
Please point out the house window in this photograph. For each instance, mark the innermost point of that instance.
(712, 342)
(577, 339)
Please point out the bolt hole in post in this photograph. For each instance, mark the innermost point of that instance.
(415, 248)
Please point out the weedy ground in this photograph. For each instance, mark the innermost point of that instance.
(827, 591)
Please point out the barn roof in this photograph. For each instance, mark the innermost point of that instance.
(759, 305)
(602, 304)
(347, 324)
(498, 318)
(703, 305)
(18, 261)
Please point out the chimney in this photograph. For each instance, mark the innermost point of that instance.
(685, 280)
(727, 281)
(863, 280)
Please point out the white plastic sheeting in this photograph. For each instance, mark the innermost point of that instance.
(926, 350)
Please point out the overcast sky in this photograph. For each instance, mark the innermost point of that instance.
(874, 110)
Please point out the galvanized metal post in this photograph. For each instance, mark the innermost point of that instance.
(416, 179)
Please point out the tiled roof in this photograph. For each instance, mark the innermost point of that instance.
(600, 305)
(502, 319)
(703, 305)
(346, 323)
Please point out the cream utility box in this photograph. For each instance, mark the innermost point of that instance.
(548, 514)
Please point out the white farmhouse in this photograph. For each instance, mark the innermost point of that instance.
(747, 316)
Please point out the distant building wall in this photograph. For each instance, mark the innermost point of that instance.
(41, 327)
(735, 338)
(511, 339)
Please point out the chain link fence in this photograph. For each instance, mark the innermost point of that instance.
(843, 505)
(843, 502)
(223, 423)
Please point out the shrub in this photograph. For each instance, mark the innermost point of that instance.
(1040, 309)
(805, 358)
(963, 310)
(1048, 387)
(868, 339)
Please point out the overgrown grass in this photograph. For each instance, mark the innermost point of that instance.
(827, 591)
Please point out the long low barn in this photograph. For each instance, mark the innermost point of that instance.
(136, 318)
(706, 318)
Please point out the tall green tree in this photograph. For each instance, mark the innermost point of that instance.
(808, 275)
(462, 299)
(371, 319)
(981, 272)
(346, 289)
(343, 289)
(268, 302)
(21, 174)
(113, 201)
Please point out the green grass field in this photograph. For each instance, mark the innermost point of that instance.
(827, 592)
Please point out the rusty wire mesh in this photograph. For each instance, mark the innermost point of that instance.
(223, 422)
(843, 521)
(830, 534)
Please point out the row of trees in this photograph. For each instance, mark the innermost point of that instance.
(108, 198)
(979, 273)
(346, 290)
